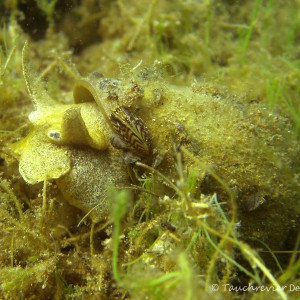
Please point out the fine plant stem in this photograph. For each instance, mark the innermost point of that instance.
(44, 205)
(290, 272)
(12, 250)
(120, 208)
(294, 266)
(146, 19)
(250, 29)
(87, 214)
(208, 23)
(294, 255)
(68, 68)
(269, 251)
(218, 179)
(230, 225)
(248, 253)
(169, 182)
(218, 249)
(4, 185)
(253, 260)
(26, 72)
(47, 70)
(186, 275)
(51, 205)
(75, 239)
(182, 181)
(10, 55)
(92, 238)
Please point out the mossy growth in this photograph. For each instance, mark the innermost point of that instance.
(216, 206)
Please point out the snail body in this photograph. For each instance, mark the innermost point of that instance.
(81, 142)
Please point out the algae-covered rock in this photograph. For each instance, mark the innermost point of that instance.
(253, 150)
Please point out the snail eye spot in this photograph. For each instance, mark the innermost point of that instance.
(54, 135)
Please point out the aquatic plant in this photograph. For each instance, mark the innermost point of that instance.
(48, 7)
(216, 204)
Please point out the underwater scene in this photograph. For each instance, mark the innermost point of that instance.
(150, 149)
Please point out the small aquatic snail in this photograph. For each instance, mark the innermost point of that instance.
(129, 131)
(132, 132)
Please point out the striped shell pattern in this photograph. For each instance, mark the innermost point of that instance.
(132, 131)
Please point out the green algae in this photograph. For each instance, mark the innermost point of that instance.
(220, 90)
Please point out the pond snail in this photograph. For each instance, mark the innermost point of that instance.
(129, 131)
